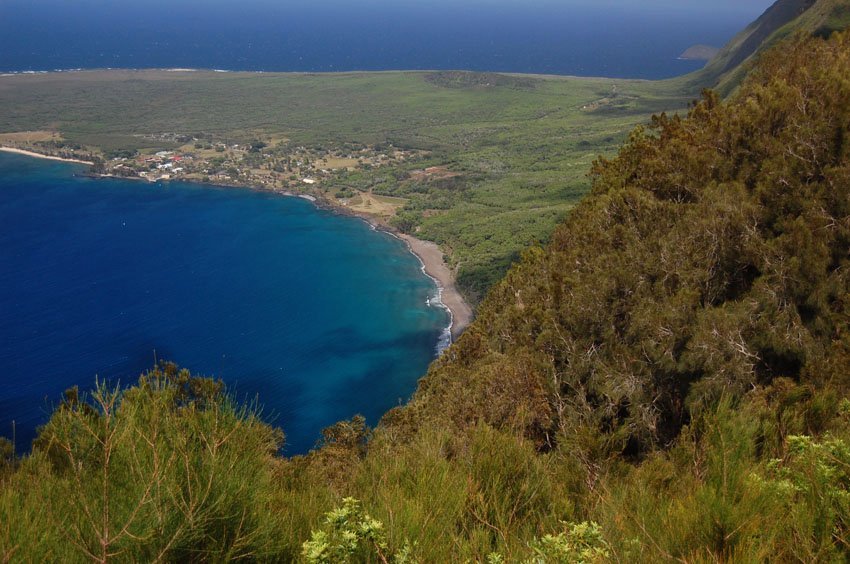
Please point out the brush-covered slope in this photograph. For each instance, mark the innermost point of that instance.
(783, 19)
(711, 257)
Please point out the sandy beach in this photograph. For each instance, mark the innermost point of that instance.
(432, 259)
(40, 156)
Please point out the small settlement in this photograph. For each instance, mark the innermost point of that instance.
(259, 164)
(338, 175)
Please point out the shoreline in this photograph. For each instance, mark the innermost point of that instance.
(42, 156)
(428, 253)
(432, 261)
(434, 266)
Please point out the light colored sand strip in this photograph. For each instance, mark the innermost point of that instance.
(432, 258)
(40, 156)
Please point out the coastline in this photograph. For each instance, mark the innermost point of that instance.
(434, 266)
(427, 252)
(433, 263)
(42, 156)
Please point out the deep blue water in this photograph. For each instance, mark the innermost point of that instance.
(315, 314)
(614, 38)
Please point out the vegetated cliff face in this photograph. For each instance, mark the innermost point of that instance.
(782, 20)
(754, 36)
(710, 258)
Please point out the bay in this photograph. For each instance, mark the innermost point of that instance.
(315, 316)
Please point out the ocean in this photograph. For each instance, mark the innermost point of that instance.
(610, 38)
(314, 315)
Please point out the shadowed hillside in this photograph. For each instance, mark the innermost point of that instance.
(785, 18)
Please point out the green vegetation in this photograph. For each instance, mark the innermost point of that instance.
(518, 148)
(665, 380)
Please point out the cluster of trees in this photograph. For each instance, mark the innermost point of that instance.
(666, 380)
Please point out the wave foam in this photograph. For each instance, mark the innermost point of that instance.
(445, 340)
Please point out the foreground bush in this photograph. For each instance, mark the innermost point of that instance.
(169, 469)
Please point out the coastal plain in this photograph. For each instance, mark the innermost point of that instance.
(512, 151)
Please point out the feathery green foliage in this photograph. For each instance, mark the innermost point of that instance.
(167, 469)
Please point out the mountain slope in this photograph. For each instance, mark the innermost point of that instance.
(710, 256)
(782, 20)
(751, 39)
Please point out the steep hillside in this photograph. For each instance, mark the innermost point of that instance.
(751, 39)
(710, 257)
(667, 380)
(783, 19)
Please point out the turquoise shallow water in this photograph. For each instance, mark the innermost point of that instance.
(316, 315)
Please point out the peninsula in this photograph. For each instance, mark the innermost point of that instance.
(482, 165)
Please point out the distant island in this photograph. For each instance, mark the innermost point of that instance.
(699, 53)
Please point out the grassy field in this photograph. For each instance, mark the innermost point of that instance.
(518, 147)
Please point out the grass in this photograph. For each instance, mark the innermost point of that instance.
(520, 145)
(29, 137)
(368, 203)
